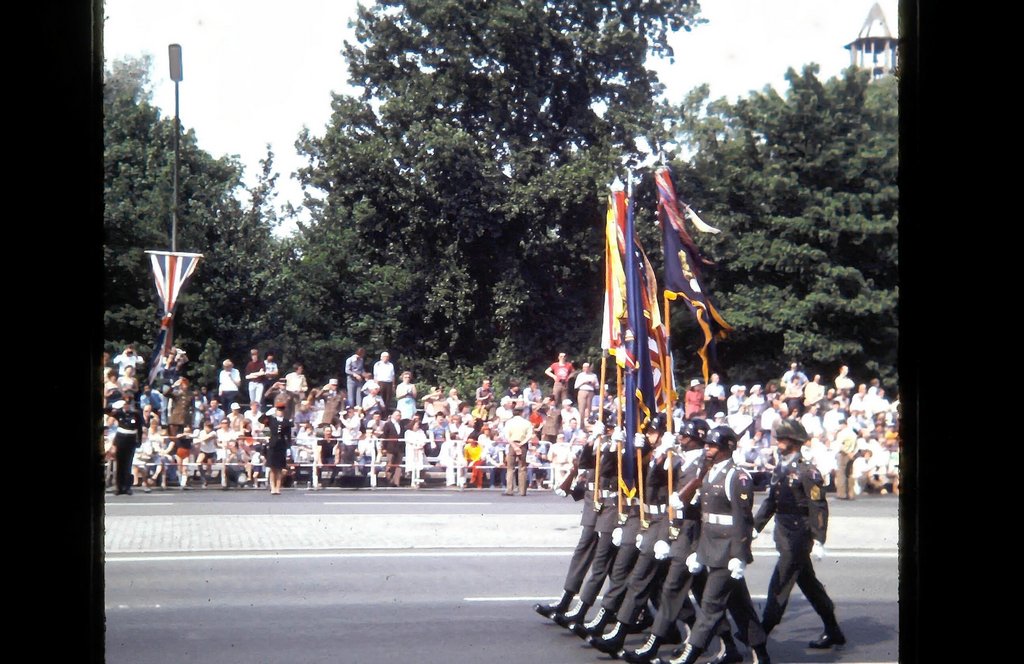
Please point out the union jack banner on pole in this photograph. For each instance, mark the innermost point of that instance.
(170, 270)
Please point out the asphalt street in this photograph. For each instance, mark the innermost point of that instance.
(426, 576)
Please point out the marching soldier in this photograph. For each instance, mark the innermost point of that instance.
(624, 536)
(587, 545)
(653, 543)
(796, 497)
(602, 504)
(726, 500)
(126, 439)
(683, 535)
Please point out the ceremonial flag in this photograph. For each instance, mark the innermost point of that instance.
(170, 270)
(615, 277)
(642, 314)
(683, 264)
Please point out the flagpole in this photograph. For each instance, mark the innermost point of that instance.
(666, 364)
(600, 441)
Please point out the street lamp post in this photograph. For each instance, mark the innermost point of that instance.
(174, 50)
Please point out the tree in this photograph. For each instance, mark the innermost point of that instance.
(804, 190)
(464, 192)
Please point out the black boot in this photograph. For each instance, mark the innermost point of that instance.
(646, 653)
(600, 621)
(760, 655)
(688, 654)
(576, 614)
(549, 610)
(643, 622)
(611, 643)
(833, 636)
(729, 653)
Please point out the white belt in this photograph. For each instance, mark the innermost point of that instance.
(656, 509)
(609, 493)
(131, 432)
(719, 519)
(590, 486)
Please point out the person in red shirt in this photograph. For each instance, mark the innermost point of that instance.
(694, 399)
(560, 372)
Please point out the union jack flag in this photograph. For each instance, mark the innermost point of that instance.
(170, 270)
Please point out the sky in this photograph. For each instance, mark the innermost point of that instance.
(259, 71)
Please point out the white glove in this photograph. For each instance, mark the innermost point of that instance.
(270, 411)
(617, 536)
(639, 540)
(560, 493)
(664, 447)
(639, 440)
(661, 550)
(736, 566)
(692, 564)
(818, 550)
(754, 534)
(675, 501)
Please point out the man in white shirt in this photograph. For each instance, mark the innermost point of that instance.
(127, 358)
(384, 376)
(228, 383)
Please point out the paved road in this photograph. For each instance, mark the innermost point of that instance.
(399, 575)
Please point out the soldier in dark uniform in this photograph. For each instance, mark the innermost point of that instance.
(653, 543)
(726, 501)
(684, 533)
(583, 555)
(279, 430)
(625, 537)
(604, 509)
(796, 497)
(126, 439)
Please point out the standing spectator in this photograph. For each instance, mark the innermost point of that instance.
(518, 433)
(405, 393)
(811, 421)
(151, 397)
(552, 415)
(814, 392)
(843, 382)
(515, 393)
(857, 400)
(755, 403)
(437, 434)
(794, 372)
(127, 358)
(111, 390)
(328, 454)
(182, 403)
(585, 386)
(279, 428)
(127, 381)
(271, 374)
(331, 399)
(794, 395)
(496, 454)
(433, 404)
(569, 412)
(738, 397)
(833, 420)
(845, 481)
(393, 447)
(714, 396)
(207, 441)
(213, 413)
(452, 458)
(694, 400)
(183, 453)
(255, 371)
(538, 469)
(485, 398)
(229, 382)
(384, 376)
(453, 403)
(560, 372)
(354, 377)
(236, 418)
(415, 441)
(295, 383)
(561, 457)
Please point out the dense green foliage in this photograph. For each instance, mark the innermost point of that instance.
(457, 206)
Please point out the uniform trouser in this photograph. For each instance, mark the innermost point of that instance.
(515, 460)
(844, 476)
(604, 557)
(674, 596)
(581, 559)
(794, 566)
(723, 592)
(648, 572)
(124, 453)
(625, 559)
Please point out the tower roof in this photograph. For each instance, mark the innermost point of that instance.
(875, 27)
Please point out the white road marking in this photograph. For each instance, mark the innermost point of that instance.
(403, 503)
(136, 504)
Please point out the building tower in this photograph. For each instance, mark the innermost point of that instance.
(874, 48)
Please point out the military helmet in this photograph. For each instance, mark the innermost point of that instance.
(790, 430)
(722, 437)
(657, 423)
(696, 428)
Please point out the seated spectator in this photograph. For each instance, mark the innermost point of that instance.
(111, 389)
(305, 442)
(214, 413)
(235, 463)
(570, 429)
(236, 417)
(415, 441)
(327, 456)
(496, 450)
(183, 454)
(538, 468)
(207, 440)
(504, 410)
(453, 402)
(372, 402)
(475, 461)
(561, 458)
(127, 381)
(434, 403)
(303, 414)
(436, 437)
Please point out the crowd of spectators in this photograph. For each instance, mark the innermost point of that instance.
(391, 429)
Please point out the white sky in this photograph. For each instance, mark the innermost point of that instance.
(258, 71)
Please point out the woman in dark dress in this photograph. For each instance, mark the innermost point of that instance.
(279, 429)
